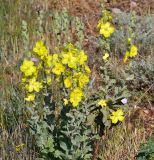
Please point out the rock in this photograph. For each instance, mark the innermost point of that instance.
(116, 10)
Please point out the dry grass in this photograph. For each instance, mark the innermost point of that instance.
(123, 141)
(10, 141)
(122, 144)
(13, 129)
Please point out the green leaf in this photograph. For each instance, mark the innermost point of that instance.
(63, 146)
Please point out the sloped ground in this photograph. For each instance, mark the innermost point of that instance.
(89, 11)
(140, 6)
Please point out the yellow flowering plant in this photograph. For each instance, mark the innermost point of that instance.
(109, 102)
(104, 24)
(31, 71)
(110, 99)
(108, 109)
(68, 67)
(61, 80)
(110, 112)
(132, 50)
(108, 105)
(56, 84)
(106, 29)
(131, 53)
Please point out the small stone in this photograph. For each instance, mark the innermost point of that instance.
(116, 10)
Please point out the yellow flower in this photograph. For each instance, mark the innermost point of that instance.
(69, 59)
(28, 68)
(49, 80)
(34, 85)
(102, 103)
(40, 50)
(68, 82)
(76, 96)
(133, 51)
(106, 29)
(58, 69)
(106, 56)
(65, 101)
(117, 116)
(30, 97)
(82, 58)
(83, 79)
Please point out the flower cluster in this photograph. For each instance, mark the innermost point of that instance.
(68, 67)
(71, 65)
(31, 70)
(106, 29)
(131, 53)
